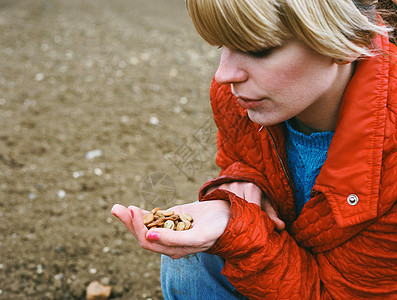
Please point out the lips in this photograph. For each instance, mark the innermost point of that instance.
(249, 103)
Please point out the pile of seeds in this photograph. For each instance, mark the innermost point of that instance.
(167, 219)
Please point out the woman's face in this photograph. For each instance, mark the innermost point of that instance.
(277, 84)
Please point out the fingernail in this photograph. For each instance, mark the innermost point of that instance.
(132, 213)
(153, 236)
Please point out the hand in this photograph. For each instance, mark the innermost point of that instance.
(253, 194)
(209, 222)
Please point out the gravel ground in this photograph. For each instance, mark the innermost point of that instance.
(101, 102)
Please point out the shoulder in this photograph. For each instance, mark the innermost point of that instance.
(393, 75)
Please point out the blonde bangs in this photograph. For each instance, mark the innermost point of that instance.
(239, 25)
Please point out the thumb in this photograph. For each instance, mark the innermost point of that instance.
(271, 212)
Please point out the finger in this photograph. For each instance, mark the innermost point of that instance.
(139, 227)
(172, 238)
(171, 251)
(124, 216)
(268, 208)
(253, 194)
(175, 244)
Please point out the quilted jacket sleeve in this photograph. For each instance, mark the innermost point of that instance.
(261, 262)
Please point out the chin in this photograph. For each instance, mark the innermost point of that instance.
(262, 119)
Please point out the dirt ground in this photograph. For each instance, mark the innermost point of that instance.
(101, 102)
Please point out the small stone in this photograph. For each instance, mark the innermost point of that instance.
(61, 194)
(154, 121)
(93, 154)
(39, 269)
(124, 119)
(183, 100)
(39, 76)
(97, 291)
(98, 172)
(78, 174)
(105, 280)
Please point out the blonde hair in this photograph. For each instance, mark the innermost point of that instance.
(337, 28)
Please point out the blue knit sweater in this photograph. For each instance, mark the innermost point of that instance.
(306, 155)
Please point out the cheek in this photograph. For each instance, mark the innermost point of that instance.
(296, 80)
(284, 80)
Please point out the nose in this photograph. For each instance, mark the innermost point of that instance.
(230, 69)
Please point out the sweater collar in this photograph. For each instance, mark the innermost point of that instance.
(350, 177)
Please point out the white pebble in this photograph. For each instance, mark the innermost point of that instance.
(92, 270)
(183, 100)
(78, 174)
(105, 280)
(39, 269)
(124, 119)
(133, 61)
(93, 154)
(98, 171)
(61, 194)
(39, 76)
(154, 120)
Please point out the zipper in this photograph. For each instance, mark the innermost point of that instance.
(279, 158)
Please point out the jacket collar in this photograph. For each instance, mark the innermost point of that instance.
(350, 177)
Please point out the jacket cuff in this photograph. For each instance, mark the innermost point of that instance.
(235, 172)
(247, 230)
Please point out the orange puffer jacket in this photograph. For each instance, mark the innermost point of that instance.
(343, 245)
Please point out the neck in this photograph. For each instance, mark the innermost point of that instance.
(322, 115)
(302, 127)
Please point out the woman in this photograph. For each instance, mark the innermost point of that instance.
(305, 100)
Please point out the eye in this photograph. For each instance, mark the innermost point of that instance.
(261, 53)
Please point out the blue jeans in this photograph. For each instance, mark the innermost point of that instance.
(197, 276)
